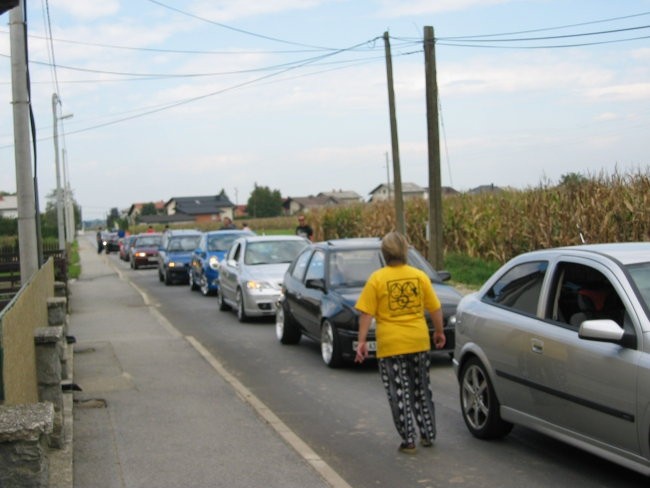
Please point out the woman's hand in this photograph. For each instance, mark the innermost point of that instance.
(362, 352)
(439, 339)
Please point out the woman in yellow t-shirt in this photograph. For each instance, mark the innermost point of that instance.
(397, 297)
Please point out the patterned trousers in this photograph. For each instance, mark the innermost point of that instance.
(406, 380)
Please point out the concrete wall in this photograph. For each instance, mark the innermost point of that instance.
(18, 321)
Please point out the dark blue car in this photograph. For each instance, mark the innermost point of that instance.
(204, 266)
(175, 254)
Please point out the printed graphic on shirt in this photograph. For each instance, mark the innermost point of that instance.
(404, 296)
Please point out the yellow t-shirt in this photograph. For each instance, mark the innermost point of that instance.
(397, 296)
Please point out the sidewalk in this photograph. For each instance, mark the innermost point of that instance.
(156, 410)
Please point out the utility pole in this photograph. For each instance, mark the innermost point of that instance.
(69, 206)
(435, 183)
(397, 175)
(59, 193)
(387, 175)
(27, 232)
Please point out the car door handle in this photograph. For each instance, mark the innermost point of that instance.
(537, 346)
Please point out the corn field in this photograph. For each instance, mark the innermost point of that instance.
(497, 226)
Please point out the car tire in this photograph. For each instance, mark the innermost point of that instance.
(192, 283)
(330, 345)
(479, 404)
(160, 275)
(241, 313)
(223, 306)
(286, 328)
(205, 287)
(168, 279)
(135, 265)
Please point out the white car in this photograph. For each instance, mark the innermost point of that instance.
(250, 276)
(559, 341)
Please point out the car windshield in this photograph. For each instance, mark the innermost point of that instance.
(148, 241)
(641, 277)
(272, 252)
(351, 268)
(185, 243)
(221, 242)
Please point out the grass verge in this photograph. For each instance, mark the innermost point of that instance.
(471, 272)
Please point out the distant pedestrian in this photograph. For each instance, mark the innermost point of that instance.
(150, 230)
(100, 241)
(227, 224)
(397, 296)
(304, 229)
(246, 228)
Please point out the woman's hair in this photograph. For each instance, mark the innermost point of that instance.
(394, 248)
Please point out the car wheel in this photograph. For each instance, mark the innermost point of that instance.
(330, 345)
(135, 265)
(241, 313)
(205, 288)
(479, 404)
(286, 328)
(160, 275)
(223, 306)
(193, 285)
(168, 279)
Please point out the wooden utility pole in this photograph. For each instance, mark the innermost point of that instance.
(433, 131)
(397, 175)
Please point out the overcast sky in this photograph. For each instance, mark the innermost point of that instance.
(181, 98)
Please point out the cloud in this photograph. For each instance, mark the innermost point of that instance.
(85, 10)
(622, 92)
(228, 10)
(391, 8)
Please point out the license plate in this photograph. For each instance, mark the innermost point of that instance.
(372, 346)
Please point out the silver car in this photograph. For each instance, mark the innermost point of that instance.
(250, 276)
(559, 341)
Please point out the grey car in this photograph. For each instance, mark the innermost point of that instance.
(559, 341)
(250, 276)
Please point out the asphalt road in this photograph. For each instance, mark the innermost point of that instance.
(344, 416)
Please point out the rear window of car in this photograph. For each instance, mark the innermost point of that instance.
(519, 287)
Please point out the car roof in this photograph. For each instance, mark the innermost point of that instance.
(184, 232)
(623, 252)
(229, 231)
(253, 238)
(351, 243)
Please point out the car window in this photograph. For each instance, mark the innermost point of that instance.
(580, 293)
(352, 267)
(299, 267)
(185, 243)
(273, 252)
(640, 274)
(519, 287)
(148, 241)
(221, 242)
(316, 269)
(235, 251)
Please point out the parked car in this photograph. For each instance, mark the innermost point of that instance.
(251, 275)
(559, 341)
(322, 286)
(175, 253)
(144, 250)
(204, 266)
(125, 245)
(111, 242)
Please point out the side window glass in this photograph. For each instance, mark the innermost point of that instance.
(584, 293)
(234, 252)
(316, 269)
(301, 264)
(519, 288)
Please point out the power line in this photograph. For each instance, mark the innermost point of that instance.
(235, 29)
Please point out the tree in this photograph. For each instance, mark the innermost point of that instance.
(49, 222)
(264, 202)
(113, 218)
(149, 209)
